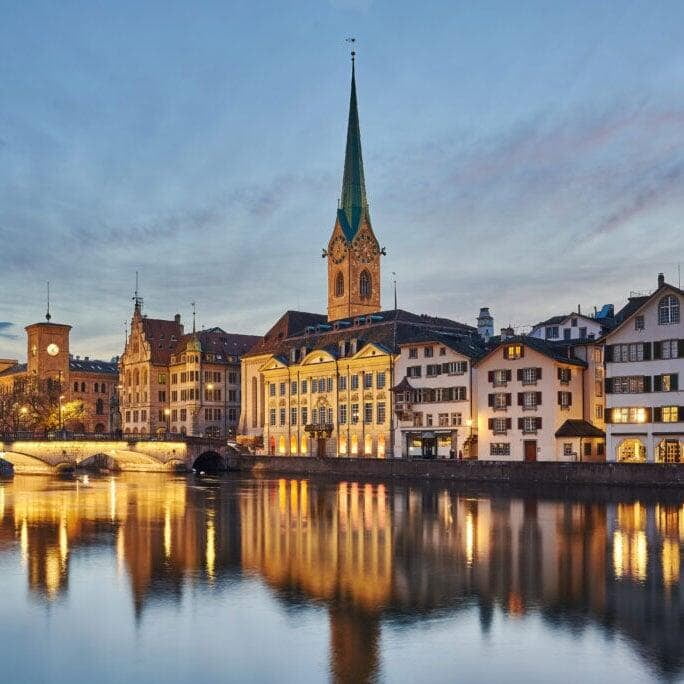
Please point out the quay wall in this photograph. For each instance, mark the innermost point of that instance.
(669, 475)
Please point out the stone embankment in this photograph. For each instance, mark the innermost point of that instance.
(619, 474)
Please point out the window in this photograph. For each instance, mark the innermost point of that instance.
(282, 389)
(668, 382)
(564, 375)
(293, 387)
(339, 285)
(271, 389)
(567, 333)
(433, 369)
(639, 323)
(668, 310)
(329, 415)
(455, 367)
(343, 414)
(99, 407)
(499, 425)
(442, 351)
(365, 285)
(668, 349)
(530, 400)
(530, 424)
(513, 351)
(529, 376)
(354, 414)
(456, 419)
(597, 354)
(413, 372)
(413, 353)
(428, 420)
(623, 353)
(183, 414)
(355, 382)
(583, 333)
(75, 387)
(565, 400)
(551, 332)
(381, 413)
(628, 384)
(670, 414)
(598, 388)
(342, 382)
(272, 417)
(368, 412)
(305, 415)
(443, 419)
(303, 385)
(500, 400)
(329, 384)
(314, 416)
(428, 352)
(627, 414)
(418, 419)
(499, 449)
(598, 411)
(500, 377)
(162, 396)
(314, 385)
(367, 380)
(567, 448)
(380, 380)
(293, 415)
(232, 378)
(573, 322)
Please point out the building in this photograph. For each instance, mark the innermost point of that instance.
(530, 404)
(321, 385)
(434, 398)
(570, 327)
(644, 357)
(65, 377)
(180, 383)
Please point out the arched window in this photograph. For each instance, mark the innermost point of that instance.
(668, 310)
(339, 284)
(365, 285)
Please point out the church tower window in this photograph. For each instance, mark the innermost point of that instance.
(365, 285)
(339, 285)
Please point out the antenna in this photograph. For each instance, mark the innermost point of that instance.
(47, 315)
(193, 317)
(394, 280)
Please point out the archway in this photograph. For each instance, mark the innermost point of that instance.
(25, 464)
(631, 450)
(99, 428)
(209, 462)
(99, 462)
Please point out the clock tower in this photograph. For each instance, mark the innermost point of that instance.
(353, 251)
(48, 351)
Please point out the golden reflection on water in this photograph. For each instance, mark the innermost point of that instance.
(363, 549)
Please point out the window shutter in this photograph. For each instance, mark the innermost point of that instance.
(509, 375)
(649, 414)
(608, 353)
(522, 351)
(490, 400)
(490, 376)
(490, 424)
(539, 423)
(657, 414)
(608, 385)
(569, 398)
(657, 383)
(508, 398)
(519, 374)
(559, 398)
(505, 352)
(680, 349)
(445, 368)
(509, 423)
(559, 372)
(647, 350)
(647, 383)
(607, 416)
(538, 373)
(539, 395)
(520, 399)
(674, 382)
(521, 423)
(656, 350)
(680, 414)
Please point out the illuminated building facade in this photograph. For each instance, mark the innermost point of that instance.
(644, 358)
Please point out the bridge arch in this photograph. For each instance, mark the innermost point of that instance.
(25, 463)
(99, 461)
(210, 462)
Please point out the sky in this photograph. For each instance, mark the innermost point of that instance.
(524, 156)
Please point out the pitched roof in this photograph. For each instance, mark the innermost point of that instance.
(219, 342)
(387, 329)
(576, 427)
(13, 370)
(93, 366)
(562, 353)
(557, 320)
(163, 337)
(353, 203)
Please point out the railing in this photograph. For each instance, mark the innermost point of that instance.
(66, 436)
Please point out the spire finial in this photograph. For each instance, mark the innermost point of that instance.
(47, 315)
(136, 297)
(194, 313)
(351, 42)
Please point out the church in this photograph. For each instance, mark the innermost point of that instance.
(322, 385)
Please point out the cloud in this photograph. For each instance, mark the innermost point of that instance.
(5, 331)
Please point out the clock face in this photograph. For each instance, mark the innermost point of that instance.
(52, 349)
(338, 249)
(365, 248)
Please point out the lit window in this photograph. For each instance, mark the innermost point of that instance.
(670, 414)
(514, 351)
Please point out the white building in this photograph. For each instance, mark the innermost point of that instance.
(434, 398)
(567, 328)
(644, 361)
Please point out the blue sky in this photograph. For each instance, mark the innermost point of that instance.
(526, 156)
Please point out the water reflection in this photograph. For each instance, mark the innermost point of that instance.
(371, 554)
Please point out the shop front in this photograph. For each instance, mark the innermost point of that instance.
(432, 444)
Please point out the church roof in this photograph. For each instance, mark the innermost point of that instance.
(353, 203)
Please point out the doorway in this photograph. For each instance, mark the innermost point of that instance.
(530, 446)
(429, 447)
(320, 447)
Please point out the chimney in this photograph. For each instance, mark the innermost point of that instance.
(177, 319)
(86, 358)
(579, 310)
(507, 333)
(661, 279)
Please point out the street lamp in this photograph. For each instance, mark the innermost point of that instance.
(167, 413)
(61, 426)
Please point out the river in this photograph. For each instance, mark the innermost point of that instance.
(163, 578)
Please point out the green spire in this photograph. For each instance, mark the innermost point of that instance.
(353, 203)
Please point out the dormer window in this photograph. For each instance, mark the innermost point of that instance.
(343, 348)
(353, 344)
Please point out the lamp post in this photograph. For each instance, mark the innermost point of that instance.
(209, 387)
(61, 424)
(469, 423)
(167, 414)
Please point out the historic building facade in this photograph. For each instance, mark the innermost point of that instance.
(321, 385)
(644, 358)
(180, 383)
(69, 378)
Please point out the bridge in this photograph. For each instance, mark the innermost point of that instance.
(29, 455)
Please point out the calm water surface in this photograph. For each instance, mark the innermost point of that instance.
(155, 578)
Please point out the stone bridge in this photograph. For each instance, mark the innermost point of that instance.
(29, 456)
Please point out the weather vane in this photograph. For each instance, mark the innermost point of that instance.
(351, 41)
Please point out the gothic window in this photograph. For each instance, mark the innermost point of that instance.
(339, 285)
(365, 285)
(668, 310)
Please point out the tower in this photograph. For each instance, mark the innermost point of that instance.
(48, 351)
(485, 324)
(353, 252)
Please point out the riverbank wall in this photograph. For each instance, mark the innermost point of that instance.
(670, 475)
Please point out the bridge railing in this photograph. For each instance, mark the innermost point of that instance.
(66, 436)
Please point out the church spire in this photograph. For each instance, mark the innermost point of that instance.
(353, 203)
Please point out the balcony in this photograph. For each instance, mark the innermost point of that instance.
(319, 429)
